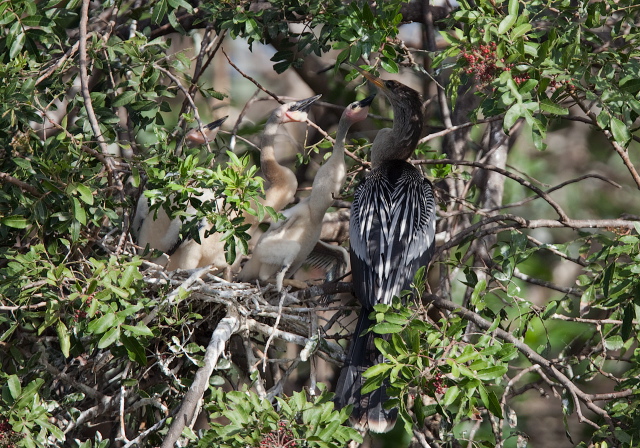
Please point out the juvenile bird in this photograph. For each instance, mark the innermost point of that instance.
(163, 233)
(285, 246)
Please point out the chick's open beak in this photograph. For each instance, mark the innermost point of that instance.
(304, 105)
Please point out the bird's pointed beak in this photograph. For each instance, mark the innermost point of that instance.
(374, 79)
(367, 101)
(216, 124)
(304, 105)
(195, 137)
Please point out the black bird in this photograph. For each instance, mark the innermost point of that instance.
(391, 233)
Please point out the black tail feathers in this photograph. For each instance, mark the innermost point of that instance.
(368, 411)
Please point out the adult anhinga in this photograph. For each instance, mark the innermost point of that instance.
(391, 234)
(287, 244)
(164, 234)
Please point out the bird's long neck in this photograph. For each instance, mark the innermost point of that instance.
(330, 176)
(269, 165)
(399, 142)
(282, 180)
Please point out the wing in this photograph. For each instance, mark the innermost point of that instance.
(392, 231)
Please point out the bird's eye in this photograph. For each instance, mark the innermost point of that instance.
(389, 84)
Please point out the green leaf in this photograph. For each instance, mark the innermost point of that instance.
(548, 106)
(386, 328)
(158, 12)
(102, 324)
(17, 222)
(389, 64)
(507, 23)
(17, 44)
(620, 131)
(125, 98)
(139, 330)
(78, 212)
(490, 401)
(378, 369)
(109, 337)
(15, 389)
(64, 337)
(492, 373)
(614, 343)
(450, 396)
(512, 115)
(468, 354)
(514, 7)
(86, 195)
(476, 295)
(520, 30)
(135, 350)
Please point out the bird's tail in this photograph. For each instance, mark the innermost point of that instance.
(368, 411)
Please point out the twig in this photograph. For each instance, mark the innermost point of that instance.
(188, 97)
(590, 321)
(144, 434)
(421, 439)
(273, 331)
(123, 431)
(6, 178)
(563, 216)
(454, 128)
(184, 286)
(256, 83)
(552, 189)
(624, 155)
(35, 306)
(520, 222)
(243, 112)
(612, 395)
(226, 327)
(69, 53)
(84, 83)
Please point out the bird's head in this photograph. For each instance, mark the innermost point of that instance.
(358, 110)
(197, 137)
(397, 93)
(295, 111)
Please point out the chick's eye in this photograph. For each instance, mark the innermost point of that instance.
(389, 84)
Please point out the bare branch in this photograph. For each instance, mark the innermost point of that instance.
(229, 325)
(563, 216)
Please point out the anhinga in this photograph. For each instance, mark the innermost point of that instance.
(164, 234)
(286, 245)
(391, 232)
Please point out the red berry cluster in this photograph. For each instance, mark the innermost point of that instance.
(482, 62)
(8, 437)
(557, 84)
(438, 385)
(280, 438)
(81, 314)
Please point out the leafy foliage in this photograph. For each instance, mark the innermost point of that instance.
(86, 326)
(292, 422)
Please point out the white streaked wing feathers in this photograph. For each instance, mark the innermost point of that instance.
(401, 219)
